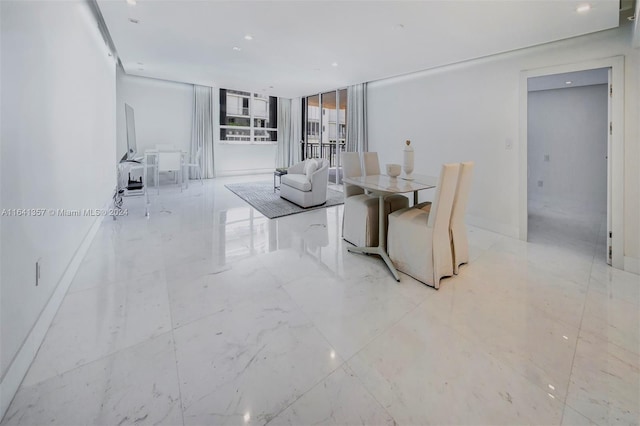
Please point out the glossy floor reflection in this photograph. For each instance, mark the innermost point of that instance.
(209, 313)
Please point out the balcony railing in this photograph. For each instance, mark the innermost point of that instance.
(326, 150)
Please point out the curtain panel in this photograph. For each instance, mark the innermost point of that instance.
(289, 131)
(202, 130)
(357, 123)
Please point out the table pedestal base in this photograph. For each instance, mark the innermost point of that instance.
(380, 251)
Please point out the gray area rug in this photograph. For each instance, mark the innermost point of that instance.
(261, 197)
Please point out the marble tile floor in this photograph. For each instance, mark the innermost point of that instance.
(208, 313)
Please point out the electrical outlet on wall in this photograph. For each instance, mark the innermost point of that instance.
(540, 184)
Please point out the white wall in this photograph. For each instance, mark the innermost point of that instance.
(163, 112)
(470, 111)
(58, 144)
(570, 127)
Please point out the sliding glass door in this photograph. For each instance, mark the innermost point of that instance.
(325, 118)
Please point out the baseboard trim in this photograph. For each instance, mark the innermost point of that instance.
(500, 228)
(25, 356)
(631, 264)
(223, 173)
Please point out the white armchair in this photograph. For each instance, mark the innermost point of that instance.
(305, 183)
(418, 241)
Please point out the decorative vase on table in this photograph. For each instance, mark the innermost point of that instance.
(408, 160)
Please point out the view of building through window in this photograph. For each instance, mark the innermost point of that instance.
(325, 119)
(248, 117)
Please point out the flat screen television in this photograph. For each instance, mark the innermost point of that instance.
(132, 149)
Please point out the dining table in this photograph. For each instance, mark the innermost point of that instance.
(382, 186)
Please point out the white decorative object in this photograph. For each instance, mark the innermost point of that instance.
(393, 170)
(408, 160)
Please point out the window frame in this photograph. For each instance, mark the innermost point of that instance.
(252, 129)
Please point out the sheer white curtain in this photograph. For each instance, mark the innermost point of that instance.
(357, 119)
(202, 129)
(289, 131)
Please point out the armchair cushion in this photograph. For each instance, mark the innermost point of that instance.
(299, 182)
(310, 166)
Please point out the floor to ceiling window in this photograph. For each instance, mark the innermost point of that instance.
(325, 128)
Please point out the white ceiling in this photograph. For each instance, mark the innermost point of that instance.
(569, 79)
(295, 42)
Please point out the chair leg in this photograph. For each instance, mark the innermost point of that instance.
(187, 170)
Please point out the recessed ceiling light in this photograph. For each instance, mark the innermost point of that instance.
(131, 2)
(583, 8)
(335, 64)
(568, 82)
(248, 37)
(236, 48)
(134, 21)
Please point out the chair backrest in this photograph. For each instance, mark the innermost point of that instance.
(196, 159)
(440, 213)
(462, 193)
(371, 163)
(169, 161)
(351, 168)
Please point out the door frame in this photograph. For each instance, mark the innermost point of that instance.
(615, 161)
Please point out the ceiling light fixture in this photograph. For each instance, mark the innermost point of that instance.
(236, 48)
(583, 8)
(131, 2)
(568, 82)
(134, 21)
(248, 37)
(335, 64)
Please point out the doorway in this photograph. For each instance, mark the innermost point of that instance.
(567, 142)
(555, 165)
(325, 128)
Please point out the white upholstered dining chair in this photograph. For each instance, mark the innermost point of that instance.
(457, 227)
(360, 215)
(418, 241)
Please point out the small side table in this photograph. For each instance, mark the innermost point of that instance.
(279, 173)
